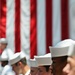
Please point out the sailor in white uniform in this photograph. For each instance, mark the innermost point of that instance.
(59, 54)
(33, 67)
(44, 63)
(7, 70)
(19, 63)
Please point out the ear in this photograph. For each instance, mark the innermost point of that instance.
(20, 64)
(51, 69)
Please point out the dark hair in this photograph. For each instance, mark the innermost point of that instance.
(24, 61)
(62, 58)
(47, 67)
(4, 63)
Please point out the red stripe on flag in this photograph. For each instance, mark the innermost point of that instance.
(3, 11)
(33, 29)
(64, 19)
(0, 19)
(48, 24)
(17, 26)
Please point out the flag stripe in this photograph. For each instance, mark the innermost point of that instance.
(0, 18)
(33, 29)
(56, 22)
(10, 24)
(17, 26)
(64, 19)
(25, 26)
(48, 24)
(3, 18)
(41, 25)
(72, 19)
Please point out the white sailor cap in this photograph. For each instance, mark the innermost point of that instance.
(64, 43)
(57, 52)
(3, 40)
(14, 59)
(4, 56)
(43, 60)
(61, 48)
(22, 54)
(9, 52)
(71, 51)
(33, 63)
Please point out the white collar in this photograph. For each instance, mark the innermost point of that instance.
(28, 72)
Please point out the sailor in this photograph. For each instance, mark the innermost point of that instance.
(44, 62)
(33, 67)
(59, 54)
(7, 69)
(19, 63)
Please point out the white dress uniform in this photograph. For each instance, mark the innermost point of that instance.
(28, 72)
(1, 68)
(7, 70)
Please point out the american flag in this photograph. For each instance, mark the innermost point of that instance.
(34, 25)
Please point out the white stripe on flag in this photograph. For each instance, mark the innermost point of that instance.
(41, 27)
(25, 26)
(10, 23)
(56, 21)
(72, 18)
